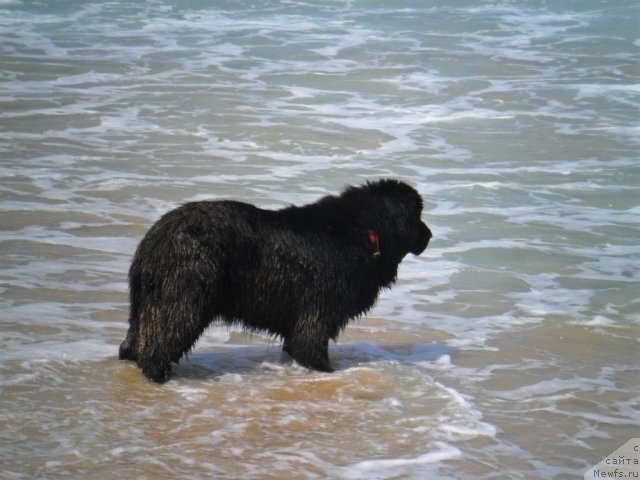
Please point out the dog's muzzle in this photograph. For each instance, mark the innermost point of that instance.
(422, 239)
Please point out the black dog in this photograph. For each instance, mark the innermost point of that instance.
(300, 273)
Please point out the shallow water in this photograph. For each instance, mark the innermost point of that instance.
(509, 349)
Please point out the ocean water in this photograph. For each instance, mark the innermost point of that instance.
(509, 349)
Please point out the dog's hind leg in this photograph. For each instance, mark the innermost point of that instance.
(127, 348)
(173, 289)
(155, 367)
(150, 349)
(167, 334)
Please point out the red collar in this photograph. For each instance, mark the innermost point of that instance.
(375, 241)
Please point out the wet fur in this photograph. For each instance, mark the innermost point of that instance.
(299, 273)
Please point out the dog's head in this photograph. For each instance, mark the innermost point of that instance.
(394, 210)
(405, 206)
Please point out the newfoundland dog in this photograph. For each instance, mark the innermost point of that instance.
(299, 273)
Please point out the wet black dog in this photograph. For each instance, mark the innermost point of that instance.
(300, 273)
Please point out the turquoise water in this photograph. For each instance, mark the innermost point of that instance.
(509, 349)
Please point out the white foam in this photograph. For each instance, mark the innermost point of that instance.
(391, 467)
(461, 419)
(444, 360)
(230, 378)
(591, 90)
(480, 430)
(189, 393)
(61, 350)
(597, 321)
